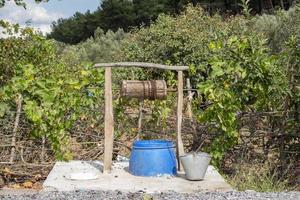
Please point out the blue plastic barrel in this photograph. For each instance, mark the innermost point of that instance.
(152, 158)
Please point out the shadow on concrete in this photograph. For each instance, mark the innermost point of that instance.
(126, 169)
(97, 165)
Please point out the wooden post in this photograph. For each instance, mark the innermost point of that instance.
(179, 143)
(108, 123)
(189, 100)
(15, 129)
(140, 119)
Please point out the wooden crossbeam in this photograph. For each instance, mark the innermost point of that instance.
(143, 65)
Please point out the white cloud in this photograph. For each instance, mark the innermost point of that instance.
(38, 16)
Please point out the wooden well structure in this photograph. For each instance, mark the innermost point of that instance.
(109, 119)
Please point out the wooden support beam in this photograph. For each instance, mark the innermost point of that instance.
(142, 64)
(108, 123)
(179, 143)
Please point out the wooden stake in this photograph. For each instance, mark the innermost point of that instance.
(43, 149)
(140, 120)
(189, 99)
(179, 143)
(13, 140)
(108, 123)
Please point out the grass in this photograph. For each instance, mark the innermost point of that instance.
(258, 177)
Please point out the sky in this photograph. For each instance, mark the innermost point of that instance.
(42, 15)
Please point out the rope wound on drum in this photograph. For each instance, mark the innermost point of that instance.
(153, 89)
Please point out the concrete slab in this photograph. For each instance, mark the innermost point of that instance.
(90, 177)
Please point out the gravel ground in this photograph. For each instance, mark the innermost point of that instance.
(116, 195)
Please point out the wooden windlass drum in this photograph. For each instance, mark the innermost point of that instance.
(153, 89)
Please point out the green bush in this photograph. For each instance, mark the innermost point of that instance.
(53, 93)
(241, 78)
(231, 67)
(283, 32)
(279, 27)
(103, 47)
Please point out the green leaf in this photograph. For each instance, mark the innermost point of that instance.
(3, 108)
(216, 70)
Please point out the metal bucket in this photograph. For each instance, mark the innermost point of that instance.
(195, 165)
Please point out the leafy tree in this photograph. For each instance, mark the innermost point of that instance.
(146, 11)
(111, 15)
(54, 93)
(231, 67)
(115, 14)
(125, 14)
(19, 2)
(103, 47)
(279, 27)
(74, 29)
